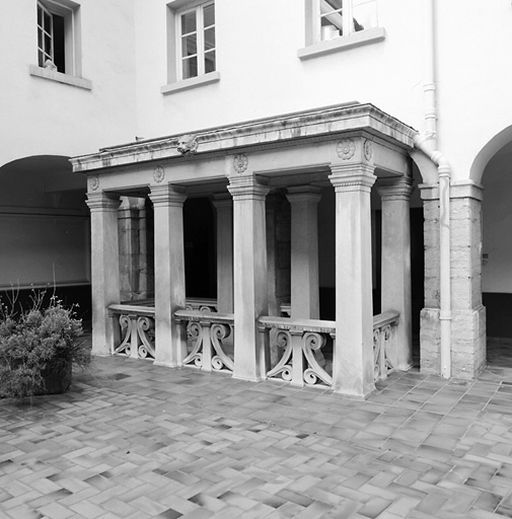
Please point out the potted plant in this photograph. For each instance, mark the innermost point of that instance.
(38, 348)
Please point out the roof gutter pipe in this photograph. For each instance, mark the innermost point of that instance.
(428, 145)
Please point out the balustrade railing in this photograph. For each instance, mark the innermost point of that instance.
(209, 339)
(137, 331)
(307, 347)
(201, 304)
(384, 337)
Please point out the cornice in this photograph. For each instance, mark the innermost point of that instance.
(282, 130)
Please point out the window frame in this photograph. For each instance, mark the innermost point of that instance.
(70, 12)
(201, 52)
(315, 46)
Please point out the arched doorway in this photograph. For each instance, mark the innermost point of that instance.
(44, 228)
(497, 254)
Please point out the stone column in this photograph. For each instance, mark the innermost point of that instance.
(169, 274)
(353, 357)
(468, 333)
(131, 251)
(104, 268)
(224, 207)
(304, 252)
(250, 275)
(396, 264)
(430, 329)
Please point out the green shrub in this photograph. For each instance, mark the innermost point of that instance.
(36, 344)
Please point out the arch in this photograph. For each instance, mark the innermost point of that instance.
(483, 157)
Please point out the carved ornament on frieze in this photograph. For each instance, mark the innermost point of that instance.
(240, 163)
(187, 144)
(94, 183)
(345, 149)
(159, 174)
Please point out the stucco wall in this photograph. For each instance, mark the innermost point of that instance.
(41, 116)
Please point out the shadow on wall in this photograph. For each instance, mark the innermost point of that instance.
(44, 228)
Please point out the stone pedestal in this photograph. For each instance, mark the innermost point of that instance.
(170, 343)
(224, 207)
(250, 275)
(304, 252)
(396, 264)
(353, 357)
(104, 268)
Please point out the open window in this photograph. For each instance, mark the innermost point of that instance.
(58, 36)
(333, 25)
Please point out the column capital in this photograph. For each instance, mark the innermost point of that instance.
(303, 194)
(395, 188)
(167, 196)
(222, 200)
(247, 188)
(102, 201)
(466, 189)
(352, 177)
(429, 191)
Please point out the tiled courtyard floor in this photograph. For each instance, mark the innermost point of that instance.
(132, 440)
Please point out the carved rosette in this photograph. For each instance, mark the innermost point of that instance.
(368, 150)
(345, 149)
(159, 174)
(240, 163)
(94, 183)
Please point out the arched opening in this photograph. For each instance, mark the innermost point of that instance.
(44, 228)
(496, 179)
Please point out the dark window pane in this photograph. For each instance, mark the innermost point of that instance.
(39, 15)
(209, 15)
(189, 68)
(189, 45)
(40, 59)
(188, 22)
(331, 4)
(209, 39)
(47, 22)
(209, 61)
(40, 38)
(59, 56)
(47, 44)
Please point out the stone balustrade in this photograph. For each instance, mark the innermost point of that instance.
(303, 342)
(135, 334)
(209, 339)
(384, 339)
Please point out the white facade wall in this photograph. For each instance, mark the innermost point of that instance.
(43, 117)
(261, 75)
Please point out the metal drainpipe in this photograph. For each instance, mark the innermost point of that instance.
(428, 145)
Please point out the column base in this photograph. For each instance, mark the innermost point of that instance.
(430, 341)
(468, 342)
(353, 396)
(469, 348)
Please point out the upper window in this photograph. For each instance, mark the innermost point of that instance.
(191, 46)
(57, 47)
(342, 17)
(195, 41)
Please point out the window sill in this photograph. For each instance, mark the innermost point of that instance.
(355, 39)
(59, 77)
(185, 84)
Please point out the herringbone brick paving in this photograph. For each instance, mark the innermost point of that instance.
(132, 440)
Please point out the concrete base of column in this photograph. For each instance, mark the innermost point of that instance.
(430, 341)
(468, 342)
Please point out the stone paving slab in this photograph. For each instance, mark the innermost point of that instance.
(132, 440)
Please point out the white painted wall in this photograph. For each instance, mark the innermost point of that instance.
(43, 117)
(257, 45)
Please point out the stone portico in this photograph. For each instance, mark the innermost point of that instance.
(248, 330)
